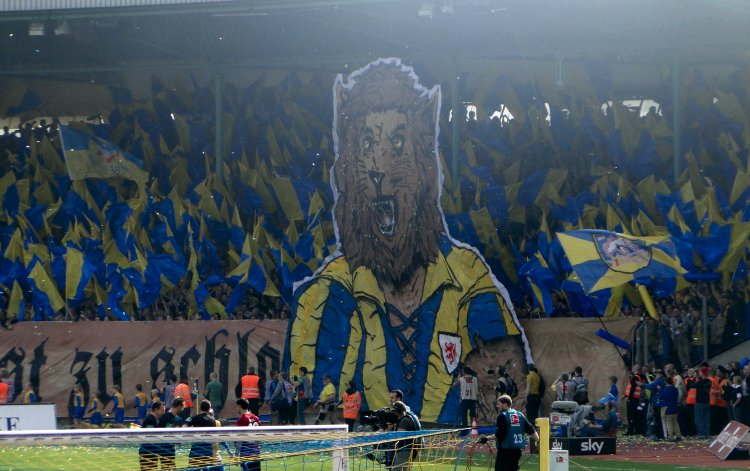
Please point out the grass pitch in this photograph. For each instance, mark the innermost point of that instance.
(92, 458)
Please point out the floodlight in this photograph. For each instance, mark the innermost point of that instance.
(36, 28)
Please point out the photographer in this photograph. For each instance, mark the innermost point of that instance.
(407, 422)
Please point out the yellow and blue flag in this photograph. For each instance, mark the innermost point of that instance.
(78, 273)
(46, 297)
(604, 259)
(89, 156)
(17, 304)
(541, 281)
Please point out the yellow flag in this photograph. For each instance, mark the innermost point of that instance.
(16, 304)
(46, 284)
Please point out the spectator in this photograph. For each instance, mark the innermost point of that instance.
(282, 397)
(655, 387)
(613, 395)
(303, 386)
(678, 328)
(668, 397)
(745, 391)
(702, 406)
(565, 388)
(168, 390)
(716, 326)
(271, 386)
(734, 398)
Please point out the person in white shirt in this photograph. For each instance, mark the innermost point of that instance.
(469, 387)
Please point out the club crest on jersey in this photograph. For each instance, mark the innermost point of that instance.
(450, 346)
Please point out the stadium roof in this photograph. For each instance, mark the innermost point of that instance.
(73, 36)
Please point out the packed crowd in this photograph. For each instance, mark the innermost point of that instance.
(678, 336)
(175, 305)
(670, 403)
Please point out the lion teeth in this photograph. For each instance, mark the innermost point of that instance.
(385, 215)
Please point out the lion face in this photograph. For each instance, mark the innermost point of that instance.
(387, 171)
(386, 175)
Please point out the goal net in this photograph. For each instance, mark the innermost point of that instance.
(280, 448)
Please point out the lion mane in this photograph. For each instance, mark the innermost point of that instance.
(386, 85)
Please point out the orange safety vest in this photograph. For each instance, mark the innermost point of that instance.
(3, 393)
(714, 398)
(250, 389)
(183, 390)
(352, 403)
(721, 402)
(692, 393)
(636, 391)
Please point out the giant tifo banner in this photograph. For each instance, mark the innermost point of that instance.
(53, 356)
(402, 305)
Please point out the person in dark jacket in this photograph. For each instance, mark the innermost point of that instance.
(702, 403)
(512, 428)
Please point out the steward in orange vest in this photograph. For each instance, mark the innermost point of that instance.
(719, 416)
(352, 402)
(182, 390)
(692, 393)
(249, 388)
(633, 393)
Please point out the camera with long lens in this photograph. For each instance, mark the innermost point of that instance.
(378, 419)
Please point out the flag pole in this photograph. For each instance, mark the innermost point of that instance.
(647, 302)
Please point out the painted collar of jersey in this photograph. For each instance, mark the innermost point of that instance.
(364, 285)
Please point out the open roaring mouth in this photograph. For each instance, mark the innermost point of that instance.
(385, 214)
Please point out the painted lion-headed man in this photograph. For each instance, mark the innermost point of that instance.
(401, 304)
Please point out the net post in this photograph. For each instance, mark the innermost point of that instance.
(542, 424)
(340, 459)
